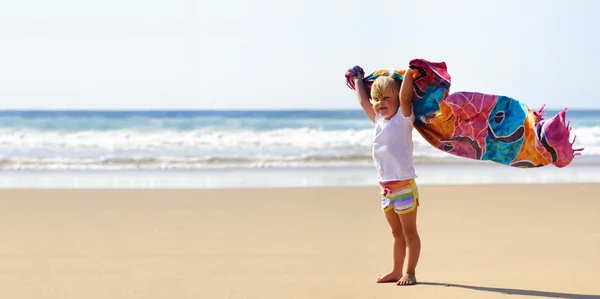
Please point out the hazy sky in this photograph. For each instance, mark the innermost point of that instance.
(269, 54)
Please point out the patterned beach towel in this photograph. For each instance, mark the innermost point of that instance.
(480, 126)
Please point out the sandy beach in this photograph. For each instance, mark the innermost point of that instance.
(483, 241)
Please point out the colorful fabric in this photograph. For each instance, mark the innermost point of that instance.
(402, 196)
(480, 126)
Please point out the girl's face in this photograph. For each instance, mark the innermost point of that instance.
(386, 107)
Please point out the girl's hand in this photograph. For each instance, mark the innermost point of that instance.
(357, 77)
(410, 72)
(353, 76)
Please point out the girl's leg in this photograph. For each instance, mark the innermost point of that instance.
(399, 247)
(413, 243)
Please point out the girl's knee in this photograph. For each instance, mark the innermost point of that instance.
(398, 233)
(410, 232)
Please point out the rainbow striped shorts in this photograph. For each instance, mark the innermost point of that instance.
(402, 196)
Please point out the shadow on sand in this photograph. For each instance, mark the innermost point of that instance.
(514, 291)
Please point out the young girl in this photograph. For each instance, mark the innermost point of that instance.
(393, 158)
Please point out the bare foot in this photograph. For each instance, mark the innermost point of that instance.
(391, 277)
(407, 280)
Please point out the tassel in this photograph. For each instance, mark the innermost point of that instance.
(540, 113)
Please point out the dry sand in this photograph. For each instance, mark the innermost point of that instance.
(534, 241)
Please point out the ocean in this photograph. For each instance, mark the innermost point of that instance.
(234, 148)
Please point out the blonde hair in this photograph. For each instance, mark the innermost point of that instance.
(384, 86)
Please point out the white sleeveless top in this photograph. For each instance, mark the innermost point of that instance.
(393, 147)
